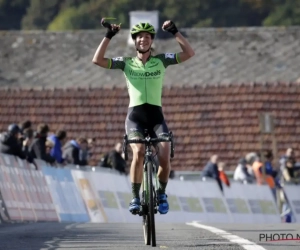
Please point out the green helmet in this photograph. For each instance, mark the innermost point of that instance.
(142, 27)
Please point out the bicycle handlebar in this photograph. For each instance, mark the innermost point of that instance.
(148, 141)
(145, 141)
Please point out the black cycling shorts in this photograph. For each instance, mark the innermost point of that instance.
(145, 116)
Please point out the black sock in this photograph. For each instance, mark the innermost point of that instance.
(162, 187)
(135, 187)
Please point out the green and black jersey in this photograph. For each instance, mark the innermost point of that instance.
(144, 82)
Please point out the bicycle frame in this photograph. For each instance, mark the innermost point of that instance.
(149, 158)
(148, 141)
(149, 195)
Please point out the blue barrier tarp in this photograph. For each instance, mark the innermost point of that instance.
(67, 199)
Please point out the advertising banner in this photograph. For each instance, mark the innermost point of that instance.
(69, 204)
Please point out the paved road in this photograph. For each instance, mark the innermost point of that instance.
(254, 232)
(50, 236)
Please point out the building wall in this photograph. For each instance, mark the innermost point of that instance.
(205, 120)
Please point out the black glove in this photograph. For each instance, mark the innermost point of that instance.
(172, 28)
(110, 30)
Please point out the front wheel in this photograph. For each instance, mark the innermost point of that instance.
(146, 219)
(147, 229)
(151, 202)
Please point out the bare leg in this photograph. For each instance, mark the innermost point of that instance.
(136, 170)
(164, 162)
(163, 176)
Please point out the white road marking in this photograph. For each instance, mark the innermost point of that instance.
(246, 244)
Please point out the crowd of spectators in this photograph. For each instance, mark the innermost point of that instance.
(25, 142)
(56, 149)
(259, 168)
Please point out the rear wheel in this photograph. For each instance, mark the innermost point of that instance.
(151, 202)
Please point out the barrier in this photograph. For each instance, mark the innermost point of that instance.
(112, 194)
(213, 202)
(69, 204)
(23, 172)
(292, 194)
(94, 208)
(81, 195)
(185, 204)
(179, 210)
(237, 203)
(19, 188)
(8, 190)
(251, 203)
(24, 191)
(44, 196)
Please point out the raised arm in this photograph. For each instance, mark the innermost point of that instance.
(187, 50)
(99, 58)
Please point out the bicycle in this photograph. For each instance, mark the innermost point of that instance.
(149, 201)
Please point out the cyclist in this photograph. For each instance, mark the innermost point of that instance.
(144, 75)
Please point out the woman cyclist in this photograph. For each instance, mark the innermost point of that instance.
(144, 75)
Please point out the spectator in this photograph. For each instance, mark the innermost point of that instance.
(28, 136)
(241, 172)
(49, 147)
(71, 151)
(291, 175)
(256, 164)
(287, 159)
(9, 142)
(268, 157)
(223, 176)
(38, 146)
(87, 153)
(115, 160)
(57, 141)
(289, 171)
(23, 126)
(264, 176)
(105, 161)
(211, 171)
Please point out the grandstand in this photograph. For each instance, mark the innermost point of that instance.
(211, 102)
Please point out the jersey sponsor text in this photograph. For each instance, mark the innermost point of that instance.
(144, 74)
